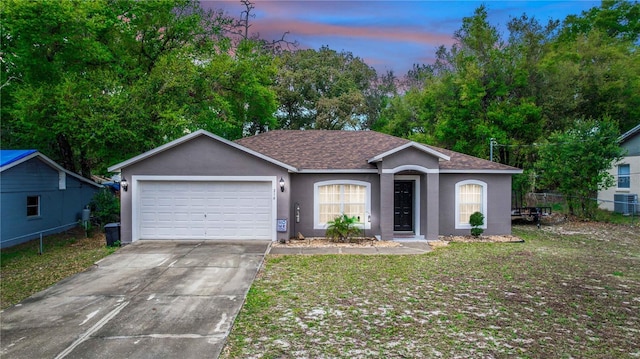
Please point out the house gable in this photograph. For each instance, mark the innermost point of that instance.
(410, 158)
(630, 142)
(202, 156)
(187, 139)
(9, 162)
(411, 145)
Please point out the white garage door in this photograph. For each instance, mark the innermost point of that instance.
(205, 210)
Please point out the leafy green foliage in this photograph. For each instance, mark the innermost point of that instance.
(105, 207)
(326, 89)
(477, 90)
(519, 90)
(82, 78)
(476, 220)
(342, 228)
(575, 162)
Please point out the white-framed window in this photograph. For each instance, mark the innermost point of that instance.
(624, 176)
(33, 206)
(333, 198)
(471, 196)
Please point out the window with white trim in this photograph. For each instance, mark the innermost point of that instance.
(334, 198)
(471, 197)
(33, 206)
(624, 176)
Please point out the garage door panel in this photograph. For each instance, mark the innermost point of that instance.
(205, 210)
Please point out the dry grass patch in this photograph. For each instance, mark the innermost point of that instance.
(24, 272)
(556, 295)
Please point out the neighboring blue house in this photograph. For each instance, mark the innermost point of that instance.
(38, 195)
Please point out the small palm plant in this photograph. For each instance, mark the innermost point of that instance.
(342, 228)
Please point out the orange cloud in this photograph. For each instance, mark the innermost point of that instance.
(297, 28)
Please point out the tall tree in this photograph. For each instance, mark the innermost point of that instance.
(575, 162)
(95, 82)
(476, 90)
(324, 89)
(591, 69)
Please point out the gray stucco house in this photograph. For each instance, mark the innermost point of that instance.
(278, 183)
(38, 195)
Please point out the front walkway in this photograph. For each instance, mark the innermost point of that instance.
(409, 247)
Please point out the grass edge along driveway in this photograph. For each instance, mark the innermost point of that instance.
(565, 292)
(24, 272)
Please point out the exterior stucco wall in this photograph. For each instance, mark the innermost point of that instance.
(498, 203)
(58, 207)
(410, 156)
(302, 192)
(430, 202)
(202, 156)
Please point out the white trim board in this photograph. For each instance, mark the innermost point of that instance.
(135, 194)
(62, 172)
(416, 200)
(316, 200)
(480, 171)
(410, 168)
(174, 143)
(418, 146)
(456, 192)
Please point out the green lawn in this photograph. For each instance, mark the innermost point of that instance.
(24, 272)
(569, 291)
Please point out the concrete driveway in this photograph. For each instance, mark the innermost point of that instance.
(151, 299)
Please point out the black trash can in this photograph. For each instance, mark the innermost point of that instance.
(112, 233)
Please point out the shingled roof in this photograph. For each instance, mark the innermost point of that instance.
(349, 150)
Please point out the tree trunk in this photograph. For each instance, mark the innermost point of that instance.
(66, 153)
(85, 165)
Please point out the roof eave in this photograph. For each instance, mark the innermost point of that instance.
(51, 163)
(483, 171)
(19, 161)
(418, 146)
(118, 167)
(338, 170)
(629, 133)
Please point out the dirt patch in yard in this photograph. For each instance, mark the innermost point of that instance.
(316, 242)
(594, 230)
(444, 241)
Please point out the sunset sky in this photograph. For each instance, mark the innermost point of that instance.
(388, 35)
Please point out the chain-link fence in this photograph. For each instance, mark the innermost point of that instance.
(624, 205)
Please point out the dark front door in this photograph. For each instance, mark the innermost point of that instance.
(403, 206)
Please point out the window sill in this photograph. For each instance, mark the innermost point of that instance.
(324, 226)
(468, 226)
(623, 189)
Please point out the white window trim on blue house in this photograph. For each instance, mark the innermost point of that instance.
(365, 223)
(483, 204)
(35, 206)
